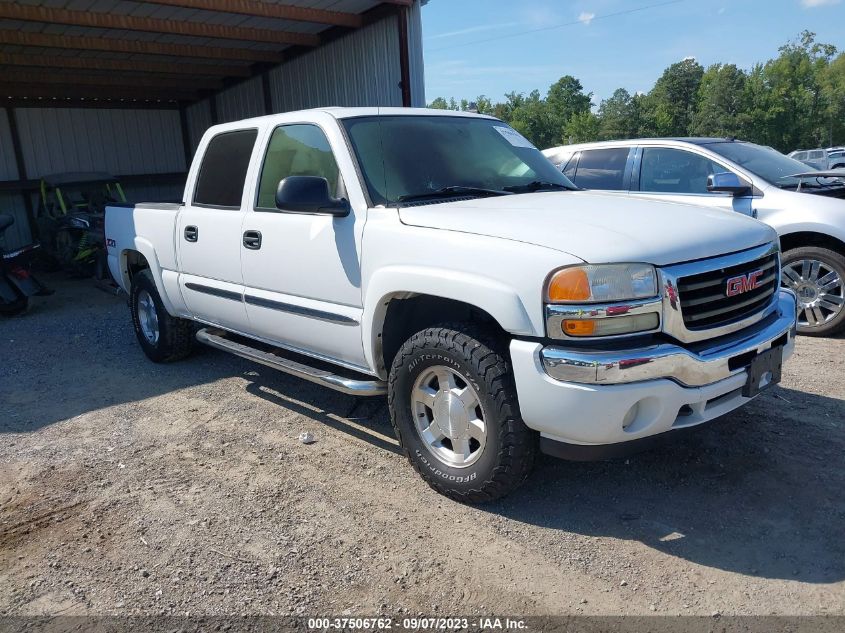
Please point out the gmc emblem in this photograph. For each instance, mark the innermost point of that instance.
(743, 283)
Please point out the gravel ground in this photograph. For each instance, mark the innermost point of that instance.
(133, 488)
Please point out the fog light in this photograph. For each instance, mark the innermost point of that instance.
(631, 415)
(579, 327)
(611, 326)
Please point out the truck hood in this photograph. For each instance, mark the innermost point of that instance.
(599, 227)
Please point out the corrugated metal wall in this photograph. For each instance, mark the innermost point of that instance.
(117, 141)
(55, 140)
(8, 166)
(18, 234)
(242, 101)
(157, 193)
(198, 118)
(359, 69)
(415, 55)
(11, 203)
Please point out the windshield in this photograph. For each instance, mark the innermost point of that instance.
(768, 163)
(403, 157)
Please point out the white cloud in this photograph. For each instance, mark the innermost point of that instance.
(811, 4)
(586, 17)
(721, 11)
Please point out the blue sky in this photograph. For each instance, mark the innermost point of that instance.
(491, 47)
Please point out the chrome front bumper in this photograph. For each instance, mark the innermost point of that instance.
(695, 367)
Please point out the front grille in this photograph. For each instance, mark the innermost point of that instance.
(704, 300)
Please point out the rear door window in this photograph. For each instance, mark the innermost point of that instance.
(222, 174)
(602, 169)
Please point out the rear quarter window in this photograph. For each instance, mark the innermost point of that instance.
(222, 174)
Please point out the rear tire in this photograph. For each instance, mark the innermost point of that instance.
(163, 338)
(456, 379)
(817, 275)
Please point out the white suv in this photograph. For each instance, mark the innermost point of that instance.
(806, 208)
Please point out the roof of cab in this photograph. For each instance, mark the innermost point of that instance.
(348, 113)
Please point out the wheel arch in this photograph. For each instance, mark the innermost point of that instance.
(795, 239)
(143, 257)
(401, 302)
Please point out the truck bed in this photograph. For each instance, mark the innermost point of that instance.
(137, 227)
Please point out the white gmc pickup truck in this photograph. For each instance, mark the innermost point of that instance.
(439, 258)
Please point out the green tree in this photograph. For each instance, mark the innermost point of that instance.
(833, 91)
(565, 99)
(672, 102)
(721, 102)
(582, 127)
(483, 105)
(758, 121)
(531, 116)
(619, 116)
(795, 100)
(793, 80)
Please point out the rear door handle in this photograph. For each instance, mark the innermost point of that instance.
(192, 233)
(252, 240)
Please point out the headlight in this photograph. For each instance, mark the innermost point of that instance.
(603, 283)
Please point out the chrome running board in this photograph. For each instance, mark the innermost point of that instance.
(220, 339)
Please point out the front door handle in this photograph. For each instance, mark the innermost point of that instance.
(192, 233)
(252, 240)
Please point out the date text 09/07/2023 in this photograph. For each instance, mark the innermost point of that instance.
(417, 623)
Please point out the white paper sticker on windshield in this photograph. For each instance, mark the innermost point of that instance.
(514, 138)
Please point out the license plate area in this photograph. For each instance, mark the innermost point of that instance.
(764, 371)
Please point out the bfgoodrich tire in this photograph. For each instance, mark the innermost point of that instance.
(163, 338)
(817, 275)
(454, 408)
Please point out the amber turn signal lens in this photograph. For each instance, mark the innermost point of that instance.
(577, 327)
(569, 284)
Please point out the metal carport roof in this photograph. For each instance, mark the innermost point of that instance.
(161, 50)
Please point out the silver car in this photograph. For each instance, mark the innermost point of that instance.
(806, 207)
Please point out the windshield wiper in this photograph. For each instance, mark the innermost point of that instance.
(453, 190)
(539, 185)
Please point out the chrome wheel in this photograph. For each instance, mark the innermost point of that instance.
(147, 317)
(448, 416)
(820, 290)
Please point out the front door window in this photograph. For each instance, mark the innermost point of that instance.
(669, 170)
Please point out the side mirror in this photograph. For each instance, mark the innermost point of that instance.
(309, 194)
(727, 182)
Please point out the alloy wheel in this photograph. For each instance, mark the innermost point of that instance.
(820, 290)
(448, 416)
(148, 317)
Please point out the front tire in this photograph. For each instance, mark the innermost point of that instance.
(817, 275)
(454, 408)
(163, 338)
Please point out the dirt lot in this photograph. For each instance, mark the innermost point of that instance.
(128, 487)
